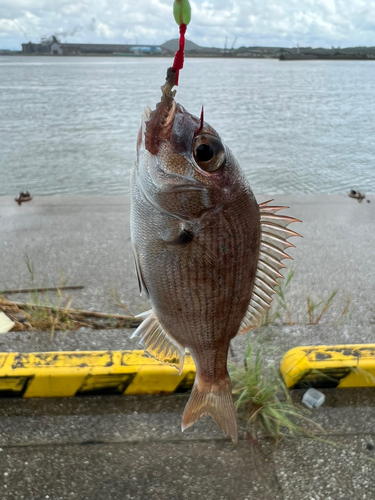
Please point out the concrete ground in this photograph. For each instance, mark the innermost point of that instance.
(127, 447)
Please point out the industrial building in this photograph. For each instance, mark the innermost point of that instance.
(54, 47)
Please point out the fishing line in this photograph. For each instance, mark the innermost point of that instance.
(182, 15)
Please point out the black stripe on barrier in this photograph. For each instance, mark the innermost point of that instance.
(99, 385)
(328, 378)
(14, 387)
(186, 383)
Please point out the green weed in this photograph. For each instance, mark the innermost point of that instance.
(315, 312)
(30, 267)
(264, 404)
(263, 401)
(280, 312)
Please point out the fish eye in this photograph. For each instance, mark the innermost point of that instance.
(209, 152)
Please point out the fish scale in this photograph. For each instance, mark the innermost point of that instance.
(206, 254)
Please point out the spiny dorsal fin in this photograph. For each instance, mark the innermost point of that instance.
(158, 343)
(272, 251)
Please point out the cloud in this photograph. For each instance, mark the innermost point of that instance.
(254, 22)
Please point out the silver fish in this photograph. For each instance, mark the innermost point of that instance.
(207, 255)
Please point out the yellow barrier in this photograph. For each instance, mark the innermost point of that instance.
(63, 374)
(329, 366)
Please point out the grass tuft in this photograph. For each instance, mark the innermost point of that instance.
(313, 312)
(264, 403)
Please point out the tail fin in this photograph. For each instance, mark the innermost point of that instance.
(214, 400)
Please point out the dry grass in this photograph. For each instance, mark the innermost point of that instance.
(43, 314)
(42, 317)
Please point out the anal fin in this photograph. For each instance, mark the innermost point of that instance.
(158, 343)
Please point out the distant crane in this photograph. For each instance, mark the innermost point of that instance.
(234, 43)
(21, 29)
(225, 44)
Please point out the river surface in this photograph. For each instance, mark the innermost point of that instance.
(69, 125)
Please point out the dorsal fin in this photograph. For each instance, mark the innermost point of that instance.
(157, 342)
(272, 251)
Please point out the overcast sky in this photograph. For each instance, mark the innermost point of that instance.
(316, 23)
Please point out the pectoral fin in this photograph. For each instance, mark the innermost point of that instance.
(138, 270)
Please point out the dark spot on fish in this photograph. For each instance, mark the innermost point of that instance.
(182, 239)
(219, 277)
(219, 286)
(369, 447)
(223, 248)
(229, 236)
(320, 356)
(240, 245)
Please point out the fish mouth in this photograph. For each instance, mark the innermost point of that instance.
(181, 188)
(177, 183)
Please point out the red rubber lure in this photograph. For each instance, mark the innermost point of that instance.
(182, 15)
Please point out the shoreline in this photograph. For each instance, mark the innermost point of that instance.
(291, 58)
(369, 196)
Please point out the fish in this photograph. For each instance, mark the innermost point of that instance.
(207, 255)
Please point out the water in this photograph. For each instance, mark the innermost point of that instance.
(68, 125)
